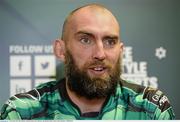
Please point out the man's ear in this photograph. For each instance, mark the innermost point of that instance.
(59, 49)
(121, 49)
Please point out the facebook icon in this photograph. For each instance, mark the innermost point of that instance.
(20, 65)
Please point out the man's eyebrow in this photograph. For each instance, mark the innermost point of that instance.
(111, 37)
(84, 32)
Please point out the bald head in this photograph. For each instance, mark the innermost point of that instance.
(85, 13)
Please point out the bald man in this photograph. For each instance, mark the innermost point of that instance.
(91, 50)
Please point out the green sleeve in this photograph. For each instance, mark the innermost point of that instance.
(9, 112)
(165, 115)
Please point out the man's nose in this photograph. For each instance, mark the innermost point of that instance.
(99, 52)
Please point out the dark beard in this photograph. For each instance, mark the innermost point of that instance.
(90, 88)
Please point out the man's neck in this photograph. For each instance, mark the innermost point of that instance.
(84, 104)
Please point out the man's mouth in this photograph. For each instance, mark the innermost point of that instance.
(98, 70)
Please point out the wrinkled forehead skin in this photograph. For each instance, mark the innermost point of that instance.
(88, 17)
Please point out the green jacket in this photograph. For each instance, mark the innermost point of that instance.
(50, 101)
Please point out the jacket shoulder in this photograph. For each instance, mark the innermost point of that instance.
(147, 99)
(25, 105)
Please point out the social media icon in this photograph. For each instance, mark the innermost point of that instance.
(19, 86)
(45, 65)
(20, 65)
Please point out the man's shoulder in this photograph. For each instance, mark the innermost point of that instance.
(145, 98)
(34, 101)
(39, 93)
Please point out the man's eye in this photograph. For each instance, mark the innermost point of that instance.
(110, 42)
(85, 40)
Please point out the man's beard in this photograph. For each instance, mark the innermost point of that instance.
(83, 85)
